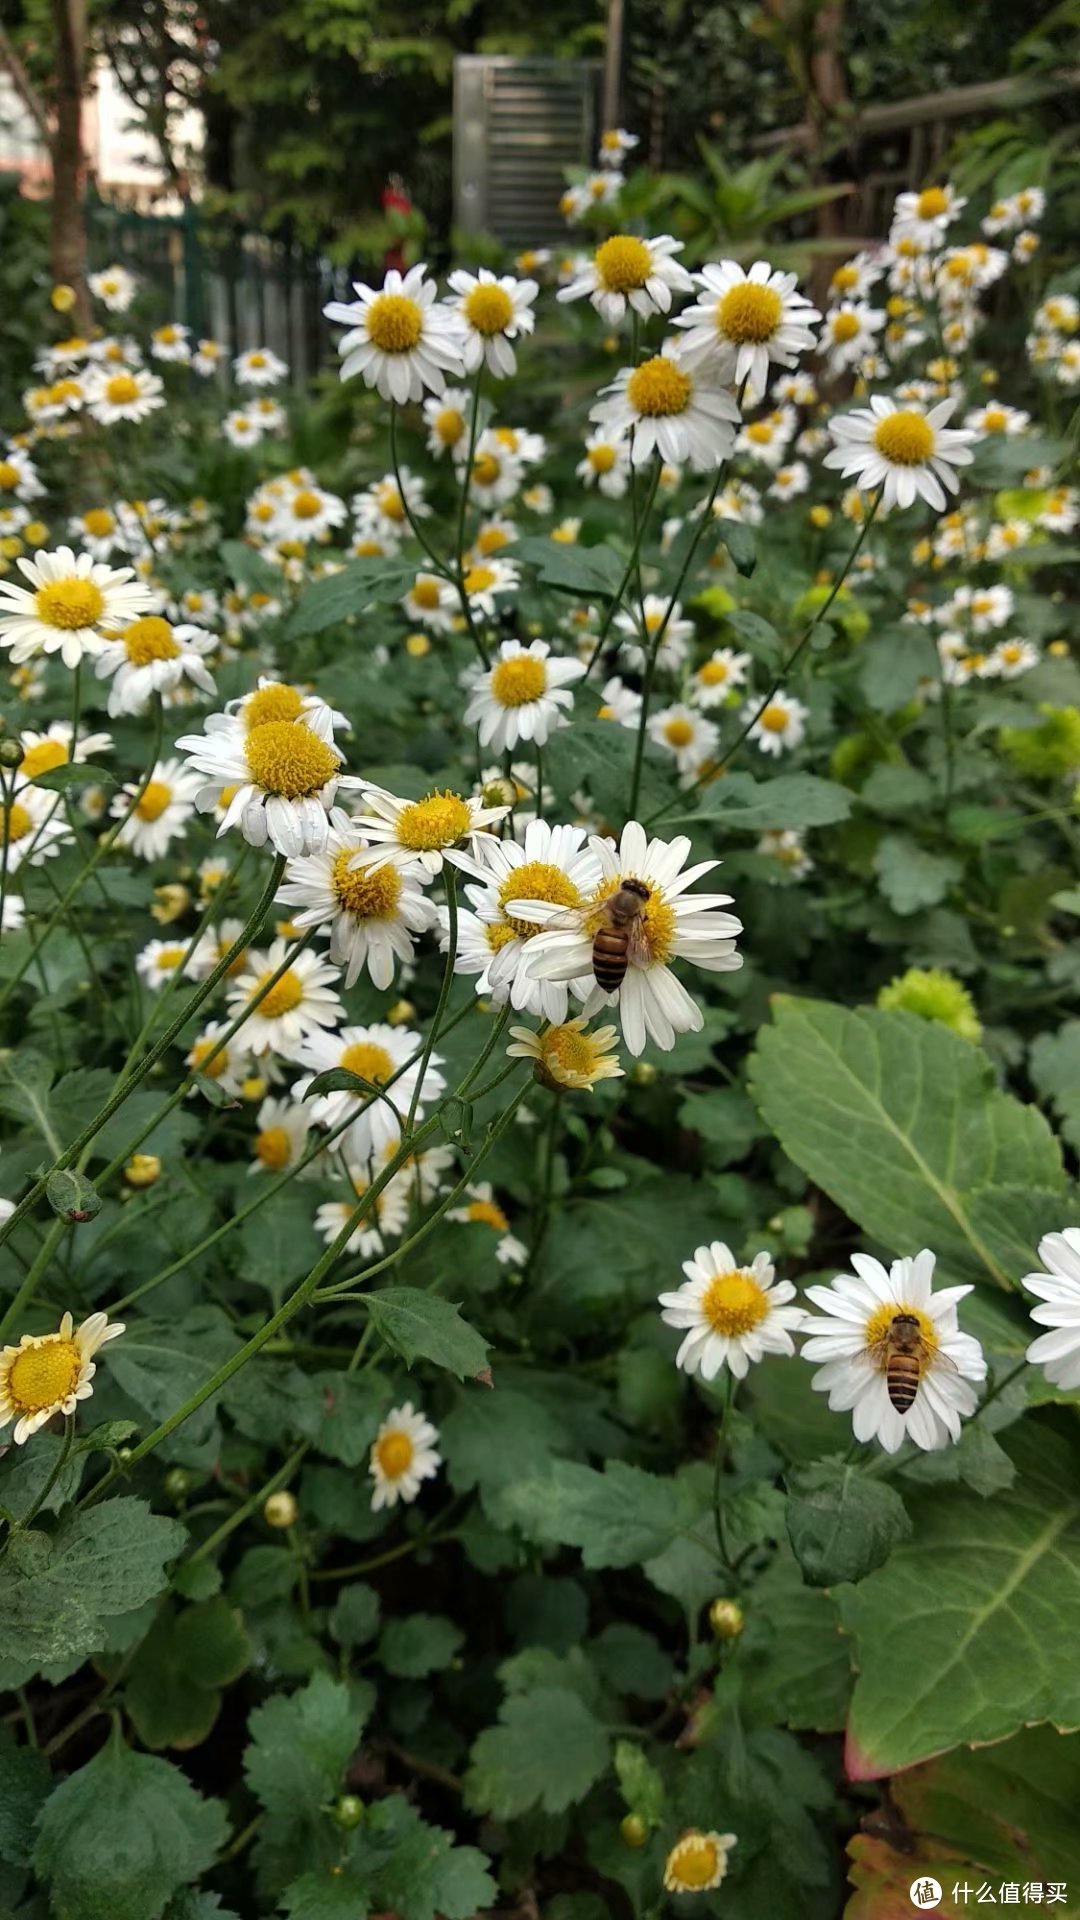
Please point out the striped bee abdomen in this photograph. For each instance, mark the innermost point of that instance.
(902, 1376)
(610, 957)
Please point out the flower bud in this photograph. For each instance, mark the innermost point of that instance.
(143, 1170)
(417, 645)
(726, 1619)
(349, 1811)
(62, 299)
(281, 1510)
(401, 1013)
(634, 1830)
(643, 1073)
(178, 1483)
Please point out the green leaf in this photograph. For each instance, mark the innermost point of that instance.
(25, 1785)
(400, 1864)
(911, 878)
(160, 1363)
(639, 1783)
(787, 800)
(1055, 1069)
(416, 1644)
(300, 1746)
(355, 1615)
(547, 1751)
(741, 543)
(117, 1839)
(618, 1518)
(841, 1522)
(25, 1079)
(72, 1195)
(58, 1591)
(422, 1326)
(953, 1605)
(76, 773)
(340, 595)
(900, 1122)
(582, 570)
(793, 1658)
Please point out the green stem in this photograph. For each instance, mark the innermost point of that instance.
(450, 884)
(628, 574)
(59, 1464)
(718, 1471)
(29, 1285)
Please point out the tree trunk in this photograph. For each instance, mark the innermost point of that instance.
(68, 234)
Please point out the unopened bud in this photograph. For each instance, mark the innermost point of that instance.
(281, 1510)
(401, 1013)
(643, 1073)
(726, 1619)
(349, 1811)
(143, 1170)
(634, 1830)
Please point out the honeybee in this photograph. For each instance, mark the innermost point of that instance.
(620, 938)
(906, 1353)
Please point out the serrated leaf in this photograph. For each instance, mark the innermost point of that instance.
(950, 1608)
(416, 1644)
(841, 1522)
(900, 1122)
(422, 1326)
(117, 1839)
(787, 800)
(617, 1518)
(911, 877)
(25, 1785)
(639, 1783)
(574, 569)
(547, 1751)
(300, 1745)
(341, 595)
(57, 1591)
(355, 1616)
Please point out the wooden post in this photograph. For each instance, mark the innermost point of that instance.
(68, 232)
(613, 52)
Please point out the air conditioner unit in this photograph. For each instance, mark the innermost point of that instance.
(517, 125)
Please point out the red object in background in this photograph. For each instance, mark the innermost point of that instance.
(395, 200)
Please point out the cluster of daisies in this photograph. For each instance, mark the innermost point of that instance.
(732, 1316)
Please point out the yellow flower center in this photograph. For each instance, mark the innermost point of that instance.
(273, 702)
(694, 1862)
(678, 733)
(166, 336)
(154, 801)
(491, 539)
(256, 360)
(365, 895)
(568, 1049)
(488, 308)
(844, 326)
(64, 390)
(394, 323)
(368, 1061)
(98, 522)
(200, 1052)
(760, 432)
(733, 1303)
(426, 592)
(169, 957)
(904, 438)
(17, 822)
(286, 758)
(121, 389)
(272, 1148)
(305, 504)
(994, 420)
(283, 996)
(659, 388)
(713, 673)
(449, 426)
(479, 579)
(748, 314)
(149, 639)
(932, 203)
(1011, 653)
(394, 1453)
(881, 1320)
(535, 880)
(774, 719)
(43, 1375)
(490, 1215)
(43, 758)
(436, 821)
(486, 469)
(516, 681)
(9, 475)
(69, 604)
(845, 278)
(602, 459)
(622, 263)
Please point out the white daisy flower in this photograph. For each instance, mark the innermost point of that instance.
(553, 865)
(1059, 313)
(208, 357)
(42, 752)
(768, 438)
(698, 1861)
(123, 393)
(909, 454)
(161, 813)
(676, 410)
(69, 607)
(373, 915)
(626, 271)
(484, 580)
(400, 340)
(374, 1053)
(926, 215)
(790, 482)
(483, 1209)
(854, 279)
(446, 417)
(259, 368)
(723, 671)
(1057, 1284)
(524, 695)
(849, 334)
(614, 143)
(673, 924)
(115, 287)
(490, 312)
(684, 734)
(281, 777)
(995, 417)
(172, 344)
(308, 512)
(387, 507)
(97, 530)
(63, 355)
(731, 1315)
(747, 322)
(32, 827)
(49, 1373)
(1005, 538)
(19, 476)
(432, 602)
(278, 700)
(1025, 246)
(606, 463)
(979, 608)
(385, 1221)
(786, 848)
(780, 725)
(1016, 210)
(858, 1335)
(567, 1055)
(281, 1139)
(1015, 657)
(677, 633)
(302, 1001)
(12, 917)
(620, 703)
(403, 1457)
(242, 428)
(228, 1065)
(421, 834)
(496, 472)
(149, 657)
(159, 960)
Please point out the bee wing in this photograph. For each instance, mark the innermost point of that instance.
(940, 1359)
(567, 920)
(637, 946)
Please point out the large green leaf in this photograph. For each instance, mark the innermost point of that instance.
(421, 1326)
(617, 1518)
(962, 1636)
(901, 1123)
(547, 1750)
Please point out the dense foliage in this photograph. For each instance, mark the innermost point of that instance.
(401, 1556)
